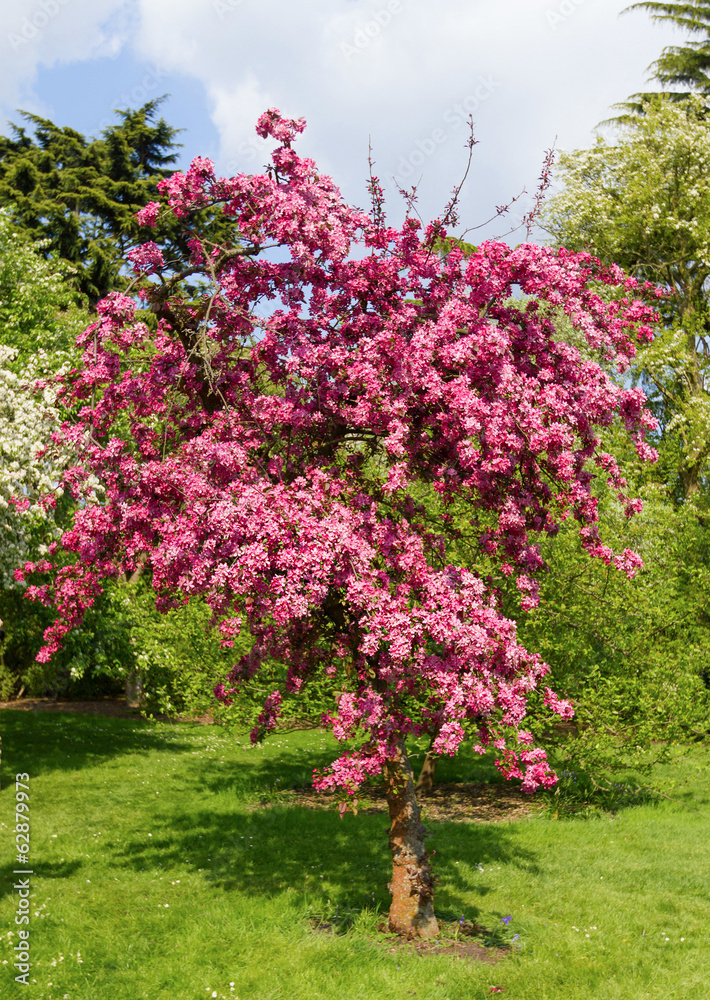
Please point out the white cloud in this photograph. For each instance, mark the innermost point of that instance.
(44, 33)
(236, 110)
(403, 72)
(397, 70)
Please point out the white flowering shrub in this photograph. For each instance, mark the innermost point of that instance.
(37, 309)
(30, 466)
(39, 322)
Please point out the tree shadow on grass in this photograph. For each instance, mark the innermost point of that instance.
(9, 876)
(39, 743)
(262, 776)
(315, 854)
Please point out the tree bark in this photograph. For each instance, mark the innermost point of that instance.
(412, 910)
(134, 690)
(690, 479)
(425, 781)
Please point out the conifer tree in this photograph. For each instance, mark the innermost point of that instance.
(686, 66)
(81, 194)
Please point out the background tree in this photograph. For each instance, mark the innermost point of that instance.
(79, 195)
(688, 65)
(37, 314)
(277, 439)
(633, 654)
(644, 203)
(38, 328)
(38, 323)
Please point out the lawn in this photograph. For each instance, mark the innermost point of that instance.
(170, 866)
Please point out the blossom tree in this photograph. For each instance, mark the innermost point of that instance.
(37, 324)
(269, 446)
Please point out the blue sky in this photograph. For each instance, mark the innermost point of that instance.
(84, 94)
(401, 73)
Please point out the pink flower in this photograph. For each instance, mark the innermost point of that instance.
(273, 124)
(148, 215)
(147, 258)
(628, 562)
(562, 708)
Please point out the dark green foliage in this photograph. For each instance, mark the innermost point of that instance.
(81, 194)
(93, 661)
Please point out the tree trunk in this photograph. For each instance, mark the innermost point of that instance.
(134, 690)
(412, 909)
(690, 479)
(425, 781)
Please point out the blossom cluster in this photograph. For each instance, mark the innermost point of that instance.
(270, 452)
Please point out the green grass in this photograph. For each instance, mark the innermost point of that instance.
(158, 866)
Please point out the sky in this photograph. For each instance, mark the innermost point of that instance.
(401, 76)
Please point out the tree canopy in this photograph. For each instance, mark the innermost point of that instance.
(688, 65)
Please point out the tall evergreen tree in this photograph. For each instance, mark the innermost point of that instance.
(688, 65)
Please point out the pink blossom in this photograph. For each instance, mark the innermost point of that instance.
(285, 130)
(629, 563)
(561, 707)
(148, 215)
(147, 258)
